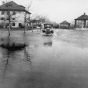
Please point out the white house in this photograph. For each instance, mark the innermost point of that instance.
(17, 18)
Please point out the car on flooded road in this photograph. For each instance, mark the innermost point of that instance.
(48, 29)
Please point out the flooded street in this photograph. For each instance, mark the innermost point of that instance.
(56, 61)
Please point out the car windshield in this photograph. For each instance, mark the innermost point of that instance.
(47, 26)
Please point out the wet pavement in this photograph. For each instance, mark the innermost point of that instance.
(56, 61)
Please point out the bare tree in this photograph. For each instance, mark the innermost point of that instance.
(43, 19)
(27, 18)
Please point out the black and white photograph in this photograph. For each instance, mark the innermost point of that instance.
(43, 43)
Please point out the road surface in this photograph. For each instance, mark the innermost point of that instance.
(56, 61)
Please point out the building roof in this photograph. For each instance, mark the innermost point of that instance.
(82, 17)
(65, 22)
(34, 20)
(12, 6)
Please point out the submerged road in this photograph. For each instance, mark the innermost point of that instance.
(56, 61)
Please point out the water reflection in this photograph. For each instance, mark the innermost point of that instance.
(47, 35)
(25, 38)
(13, 55)
(49, 43)
(6, 62)
(27, 55)
(48, 40)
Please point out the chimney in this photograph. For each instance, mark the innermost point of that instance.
(3, 2)
(84, 13)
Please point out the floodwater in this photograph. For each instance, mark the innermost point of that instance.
(56, 61)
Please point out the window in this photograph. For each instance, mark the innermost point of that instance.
(2, 18)
(13, 18)
(2, 12)
(14, 13)
(13, 24)
(20, 25)
(8, 5)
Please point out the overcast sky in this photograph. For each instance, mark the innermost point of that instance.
(57, 10)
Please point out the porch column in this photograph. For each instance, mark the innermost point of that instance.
(75, 23)
(84, 23)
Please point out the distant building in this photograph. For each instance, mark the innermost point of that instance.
(82, 21)
(17, 18)
(35, 23)
(64, 25)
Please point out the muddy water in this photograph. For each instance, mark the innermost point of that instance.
(56, 61)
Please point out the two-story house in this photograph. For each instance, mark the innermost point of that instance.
(17, 18)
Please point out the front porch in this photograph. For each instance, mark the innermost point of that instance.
(82, 21)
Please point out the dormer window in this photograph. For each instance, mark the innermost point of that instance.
(8, 5)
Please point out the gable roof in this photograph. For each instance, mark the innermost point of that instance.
(12, 6)
(82, 17)
(65, 22)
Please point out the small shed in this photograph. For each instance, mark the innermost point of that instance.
(81, 21)
(64, 25)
